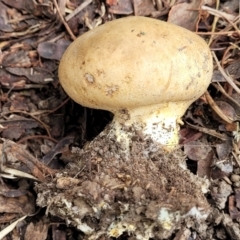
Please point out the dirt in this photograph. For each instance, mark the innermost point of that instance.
(147, 195)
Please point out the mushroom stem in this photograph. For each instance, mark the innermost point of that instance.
(159, 123)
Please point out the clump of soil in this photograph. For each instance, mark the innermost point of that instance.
(147, 194)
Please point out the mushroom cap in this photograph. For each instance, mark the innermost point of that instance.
(135, 62)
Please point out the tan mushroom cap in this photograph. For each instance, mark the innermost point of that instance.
(135, 62)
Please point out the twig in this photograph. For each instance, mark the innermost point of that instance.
(228, 78)
(36, 137)
(32, 116)
(217, 110)
(218, 13)
(216, 33)
(236, 153)
(208, 131)
(221, 89)
(58, 107)
(78, 9)
(214, 24)
(63, 21)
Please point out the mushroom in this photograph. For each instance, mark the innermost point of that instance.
(146, 72)
(132, 176)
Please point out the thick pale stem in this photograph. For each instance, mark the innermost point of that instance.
(159, 123)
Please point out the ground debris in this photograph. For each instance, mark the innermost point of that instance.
(231, 228)
(145, 196)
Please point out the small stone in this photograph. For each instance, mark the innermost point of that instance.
(236, 184)
(236, 171)
(231, 228)
(235, 178)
